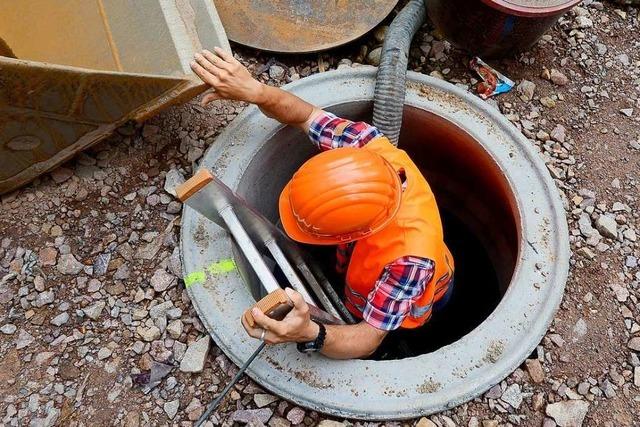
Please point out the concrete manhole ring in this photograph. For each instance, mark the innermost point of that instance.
(510, 201)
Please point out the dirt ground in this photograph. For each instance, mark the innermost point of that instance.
(93, 299)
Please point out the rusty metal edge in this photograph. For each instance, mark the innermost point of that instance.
(185, 88)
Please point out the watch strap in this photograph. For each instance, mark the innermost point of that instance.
(315, 345)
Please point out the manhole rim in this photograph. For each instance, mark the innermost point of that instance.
(360, 82)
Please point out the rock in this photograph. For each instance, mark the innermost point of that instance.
(534, 368)
(122, 273)
(159, 352)
(250, 415)
(160, 310)
(24, 339)
(8, 329)
(621, 292)
(569, 413)
(585, 227)
(171, 408)
(373, 58)
(607, 226)
(67, 370)
(331, 423)
(276, 72)
(580, 329)
(494, 392)
(630, 234)
(94, 311)
(61, 174)
(174, 207)
(196, 355)
(68, 264)
(174, 329)
(558, 133)
(161, 280)
(583, 22)
(60, 319)
(44, 357)
(586, 252)
(47, 256)
(380, 33)
(627, 111)
(194, 409)
(490, 423)
(425, 422)
(558, 78)
(634, 344)
(277, 421)
(526, 89)
(132, 419)
(636, 376)
(262, 399)
(149, 334)
(547, 102)
(172, 180)
(296, 415)
(104, 353)
(44, 298)
(101, 264)
(513, 396)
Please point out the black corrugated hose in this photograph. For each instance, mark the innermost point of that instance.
(388, 100)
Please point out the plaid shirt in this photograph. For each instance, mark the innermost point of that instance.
(402, 281)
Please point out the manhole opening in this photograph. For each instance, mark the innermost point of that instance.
(476, 205)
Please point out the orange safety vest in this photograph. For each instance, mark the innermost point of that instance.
(416, 230)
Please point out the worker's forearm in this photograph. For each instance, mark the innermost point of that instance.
(283, 106)
(350, 341)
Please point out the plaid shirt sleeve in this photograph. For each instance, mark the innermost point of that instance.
(401, 283)
(327, 131)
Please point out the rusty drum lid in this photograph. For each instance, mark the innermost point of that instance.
(532, 8)
(300, 26)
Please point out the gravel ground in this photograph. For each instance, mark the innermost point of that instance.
(96, 328)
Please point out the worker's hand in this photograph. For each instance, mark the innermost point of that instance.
(228, 78)
(295, 327)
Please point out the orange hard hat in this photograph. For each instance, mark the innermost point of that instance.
(339, 196)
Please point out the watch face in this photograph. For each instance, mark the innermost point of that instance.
(307, 347)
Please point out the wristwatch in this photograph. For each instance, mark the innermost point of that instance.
(315, 345)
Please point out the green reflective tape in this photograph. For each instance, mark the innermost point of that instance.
(215, 268)
(222, 266)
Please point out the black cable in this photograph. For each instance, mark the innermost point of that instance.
(213, 405)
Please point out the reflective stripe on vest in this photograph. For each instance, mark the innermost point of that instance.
(416, 230)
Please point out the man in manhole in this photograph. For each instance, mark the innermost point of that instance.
(361, 194)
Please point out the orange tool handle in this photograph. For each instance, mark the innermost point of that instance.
(275, 305)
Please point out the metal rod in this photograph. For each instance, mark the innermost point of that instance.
(288, 270)
(331, 300)
(249, 249)
(216, 402)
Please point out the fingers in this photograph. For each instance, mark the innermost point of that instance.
(296, 299)
(208, 65)
(205, 75)
(265, 322)
(225, 55)
(209, 96)
(215, 60)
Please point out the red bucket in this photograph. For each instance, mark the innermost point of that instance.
(495, 28)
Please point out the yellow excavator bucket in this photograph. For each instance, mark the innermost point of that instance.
(72, 71)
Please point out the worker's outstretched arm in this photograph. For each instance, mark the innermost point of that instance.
(341, 341)
(229, 79)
